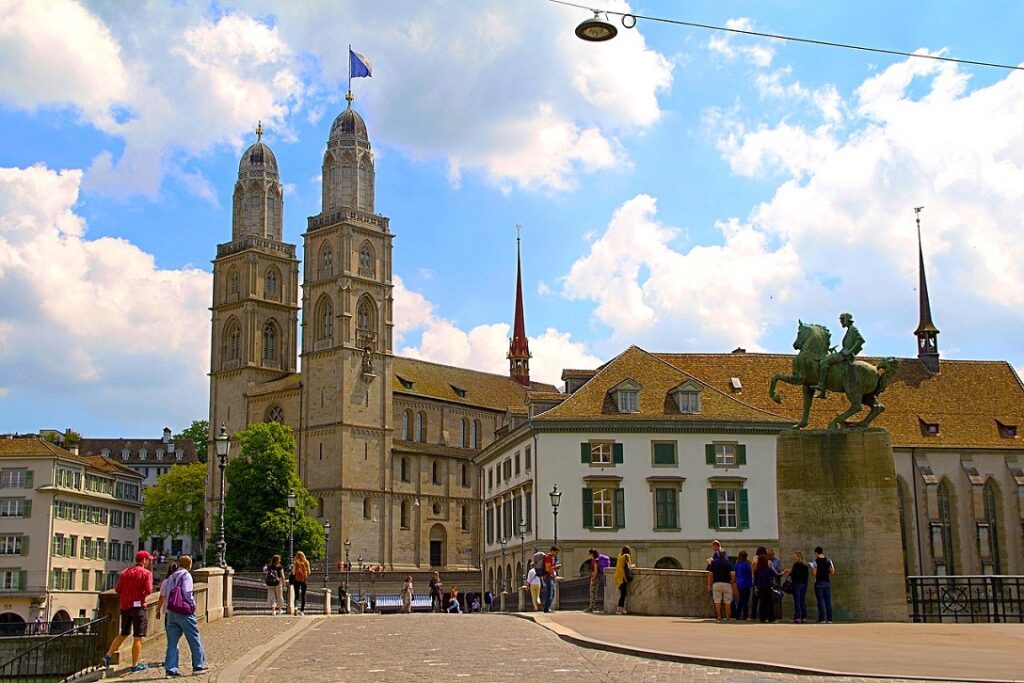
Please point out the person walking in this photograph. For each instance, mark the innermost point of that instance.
(180, 623)
(133, 587)
(799, 574)
(273, 576)
(823, 571)
(721, 579)
(300, 579)
(744, 584)
(764, 588)
(533, 581)
(407, 595)
(551, 567)
(436, 588)
(622, 576)
(453, 601)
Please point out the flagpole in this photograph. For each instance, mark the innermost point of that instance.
(349, 95)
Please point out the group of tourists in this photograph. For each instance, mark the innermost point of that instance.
(753, 590)
(177, 604)
(275, 575)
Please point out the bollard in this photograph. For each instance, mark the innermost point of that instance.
(502, 603)
(522, 599)
(554, 603)
(291, 600)
(327, 601)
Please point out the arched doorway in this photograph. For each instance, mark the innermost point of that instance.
(490, 579)
(438, 543)
(61, 622)
(668, 563)
(11, 624)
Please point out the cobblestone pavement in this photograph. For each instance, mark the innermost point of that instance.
(480, 648)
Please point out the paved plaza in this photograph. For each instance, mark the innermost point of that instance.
(481, 648)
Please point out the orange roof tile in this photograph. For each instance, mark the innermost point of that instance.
(482, 389)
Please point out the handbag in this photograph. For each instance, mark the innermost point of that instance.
(628, 573)
(787, 585)
(177, 603)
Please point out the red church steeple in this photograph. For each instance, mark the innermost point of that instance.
(519, 345)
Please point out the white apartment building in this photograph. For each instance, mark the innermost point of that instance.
(644, 454)
(68, 526)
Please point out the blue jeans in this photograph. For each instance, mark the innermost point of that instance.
(549, 587)
(176, 626)
(799, 601)
(741, 610)
(823, 594)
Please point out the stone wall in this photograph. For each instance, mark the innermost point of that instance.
(662, 592)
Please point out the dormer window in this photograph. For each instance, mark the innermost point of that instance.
(928, 427)
(105, 452)
(143, 454)
(408, 384)
(687, 396)
(160, 454)
(627, 397)
(179, 454)
(461, 393)
(125, 454)
(1007, 431)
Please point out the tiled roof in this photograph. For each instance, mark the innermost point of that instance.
(547, 396)
(656, 379)
(35, 447)
(481, 389)
(135, 446)
(965, 397)
(422, 448)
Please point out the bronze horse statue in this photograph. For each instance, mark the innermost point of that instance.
(861, 382)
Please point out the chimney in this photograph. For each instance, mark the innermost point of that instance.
(73, 449)
(167, 434)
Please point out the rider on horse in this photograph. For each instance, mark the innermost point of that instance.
(853, 342)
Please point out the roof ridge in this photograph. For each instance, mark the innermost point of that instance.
(456, 367)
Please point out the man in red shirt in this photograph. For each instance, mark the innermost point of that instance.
(133, 587)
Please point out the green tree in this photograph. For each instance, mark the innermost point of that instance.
(260, 473)
(198, 433)
(173, 506)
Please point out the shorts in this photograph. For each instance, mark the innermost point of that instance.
(721, 592)
(134, 622)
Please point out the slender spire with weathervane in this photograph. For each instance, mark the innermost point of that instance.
(519, 346)
(927, 334)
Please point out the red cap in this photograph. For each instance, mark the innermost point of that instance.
(142, 555)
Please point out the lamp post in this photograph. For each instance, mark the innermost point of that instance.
(360, 561)
(327, 549)
(291, 528)
(223, 444)
(556, 496)
(504, 542)
(522, 549)
(348, 546)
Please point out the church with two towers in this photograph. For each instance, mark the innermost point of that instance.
(385, 444)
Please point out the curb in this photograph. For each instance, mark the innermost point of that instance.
(571, 636)
(241, 667)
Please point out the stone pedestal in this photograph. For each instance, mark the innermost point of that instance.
(838, 490)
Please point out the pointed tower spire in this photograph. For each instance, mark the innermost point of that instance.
(926, 332)
(519, 346)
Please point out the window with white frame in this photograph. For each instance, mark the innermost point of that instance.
(728, 506)
(601, 453)
(728, 510)
(10, 545)
(13, 507)
(10, 580)
(725, 454)
(688, 401)
(604, 507)
(13, 479)
(628, 400)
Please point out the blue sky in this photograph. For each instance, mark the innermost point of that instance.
(679, 189)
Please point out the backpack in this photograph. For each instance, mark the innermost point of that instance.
(176, 601)
(301, 572)
(538, 564)
(603, 562)
(271, 577)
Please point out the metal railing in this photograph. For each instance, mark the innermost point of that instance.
(19, 630)
(574, 594)
(970, 599)
(58, 656)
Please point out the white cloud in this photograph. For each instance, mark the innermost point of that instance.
(95, 318)
(484, 346)
(760, 52)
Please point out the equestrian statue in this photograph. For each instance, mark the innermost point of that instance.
(820, 367)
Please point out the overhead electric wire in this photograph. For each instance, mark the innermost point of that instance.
(777, 36)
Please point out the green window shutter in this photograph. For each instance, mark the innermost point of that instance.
(744, 509)
(741, 454)
(712, 508)
(620, 508)
(28, 509)
(709, 453)
(24, 545)
(585, 453)
(29, 478)
(617, 453)
(664, 454)
(588, 509)
(22, 579)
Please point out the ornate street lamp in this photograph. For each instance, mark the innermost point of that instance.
(223, 444)
(360, 561)
(522, 549)
(348, 546)
(327, 549)
(291, 528)
(504, 542)
(556, 497)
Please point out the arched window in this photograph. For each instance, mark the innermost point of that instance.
(274, 414)
(366, 508)
(404, 469)
(404, 518)
(465, 474)
(434, 473)
(325, 319)
(992, 519)
(326, 261)
(232, 342)
(421, 427)
(233, 281)
(270, 341)
(365, 184)
(270, 283)
(406, 415)
(474, 434)
(366, 260)
(364, 315)
(946, 528)
(463, 433)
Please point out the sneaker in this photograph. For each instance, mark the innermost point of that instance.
(828, 622)
(172, 673)
(139, 667)
(201, 670)
(106, 661)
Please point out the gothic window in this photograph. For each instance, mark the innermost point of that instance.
(275, 414)
(945, 529)
(326, 261)
(465, 474)
(404, 518)
(232, 341)
(405, 425)
(404, 469)
(233, 281)
(325, 320)
(270, 341)
(364, 184)
(366, 265)
(992, 519)
(364, 316)
(270, 282)
(474, 434)
(366, 508)
(464, 433)
(434, 473)
(421, 427)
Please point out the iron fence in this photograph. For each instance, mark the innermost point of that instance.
(969, 599)
(22, 629)
(58, 656)
(574, 594)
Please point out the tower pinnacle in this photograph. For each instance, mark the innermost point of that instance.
(926, 332)
(519, 345)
